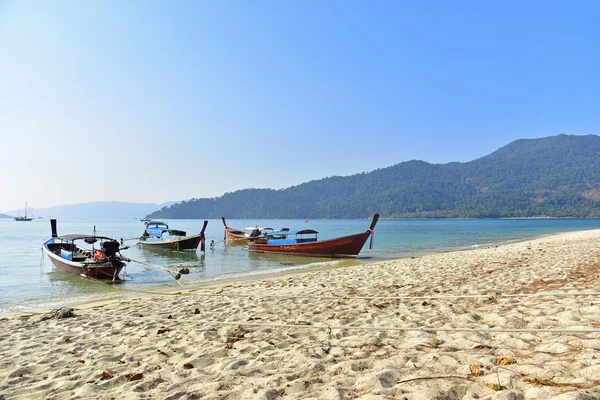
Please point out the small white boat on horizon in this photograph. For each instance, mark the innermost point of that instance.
(25, 218)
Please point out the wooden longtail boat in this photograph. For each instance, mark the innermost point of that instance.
(104, 262)
(238, 236)
(232, 234)
(157, 235)
(304, 243)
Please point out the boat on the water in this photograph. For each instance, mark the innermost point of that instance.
(24, 218)
(250, 233)
(101, 260)
(305, 243)
(232, 234)
(158, 235)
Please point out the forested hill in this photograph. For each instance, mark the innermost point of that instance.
(557, 176)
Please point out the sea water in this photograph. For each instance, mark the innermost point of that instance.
(29, 281)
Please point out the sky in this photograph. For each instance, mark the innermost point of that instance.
(152, 101)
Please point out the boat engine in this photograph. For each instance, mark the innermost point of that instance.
(110, 248)
(255, 233)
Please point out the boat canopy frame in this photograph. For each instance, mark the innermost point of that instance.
(73, 237)
(283, 237)
(158, 228)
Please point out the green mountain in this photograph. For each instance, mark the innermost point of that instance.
(557, 176)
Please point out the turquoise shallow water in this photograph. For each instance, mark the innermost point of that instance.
(29, 281)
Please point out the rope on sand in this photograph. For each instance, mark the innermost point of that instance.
(421, 378)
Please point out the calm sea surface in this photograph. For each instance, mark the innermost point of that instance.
(29, 281)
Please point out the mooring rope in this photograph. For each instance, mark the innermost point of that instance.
(175, 276)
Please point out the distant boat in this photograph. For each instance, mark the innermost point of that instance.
(304, 243)
(25, 218)
(157, 235)
(104, 262)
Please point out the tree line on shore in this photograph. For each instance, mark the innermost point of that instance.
(557, 176)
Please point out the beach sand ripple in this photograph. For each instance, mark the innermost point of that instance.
(388, 330)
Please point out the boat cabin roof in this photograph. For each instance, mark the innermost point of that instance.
(156, 228)
(159, 232)
(157, 224)
(299, 232)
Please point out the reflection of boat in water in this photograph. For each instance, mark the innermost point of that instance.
(305, 243)
(67, 254)
(25, 218)
(157, 235)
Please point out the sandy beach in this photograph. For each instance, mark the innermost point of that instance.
(517, 321)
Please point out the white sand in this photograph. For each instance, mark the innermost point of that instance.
(235, 347)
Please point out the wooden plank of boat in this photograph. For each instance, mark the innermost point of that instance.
(186, 243)
(108, 270)
(342, 247)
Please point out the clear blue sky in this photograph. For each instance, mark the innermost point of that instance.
(150, 101)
